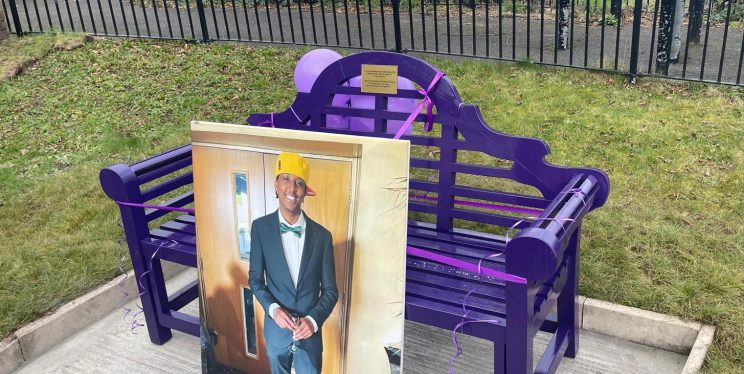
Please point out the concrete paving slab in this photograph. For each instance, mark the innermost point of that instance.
(428, 350)
(108, 346)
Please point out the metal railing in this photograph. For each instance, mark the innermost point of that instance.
(643, 38)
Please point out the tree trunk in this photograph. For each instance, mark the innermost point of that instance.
(3, 25)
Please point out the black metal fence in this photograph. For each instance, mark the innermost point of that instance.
(701, 40)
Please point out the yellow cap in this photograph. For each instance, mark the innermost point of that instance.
(292, 163)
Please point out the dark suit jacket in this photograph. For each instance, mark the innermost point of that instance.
(316, 293)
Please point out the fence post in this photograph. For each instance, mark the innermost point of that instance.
(664, 45)
(202, 20)
(16, 18)
(635, 40)
(696, 19)
(396, 25)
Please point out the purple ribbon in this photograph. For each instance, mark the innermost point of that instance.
(160, 207)
(503, 208)
(578, 191)
(426, 100)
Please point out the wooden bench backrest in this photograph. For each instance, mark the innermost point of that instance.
(459, 129)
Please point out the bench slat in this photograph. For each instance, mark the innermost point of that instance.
(428, 141)
(501, 197)
(481, 194)
(450, 309)
(374, 114)
(460, 252)
(175, 236)
(422, 185)
(483, 241)
(422, 208)
(186, 218)
(482, 170)
(178, 201)
(168, 186)
(418, 162)
(456, 299)
(152, 163)
(180, 227)
(491, 219)
(357, 91)
(458, 282)
(156, 171)
(184, 254)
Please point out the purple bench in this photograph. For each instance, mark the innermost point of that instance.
(528, 243)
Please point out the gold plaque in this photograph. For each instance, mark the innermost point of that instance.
(382, 79)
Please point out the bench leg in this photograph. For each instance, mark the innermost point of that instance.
(499, 358)
(158, 333)
(518, 341)
(160, 302)
(568, 301)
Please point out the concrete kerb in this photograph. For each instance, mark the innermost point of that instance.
(632, 324)
(10, 354)
(699, 350)
(649, 328)
(36, 338)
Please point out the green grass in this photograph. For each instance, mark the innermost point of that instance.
(669, 238)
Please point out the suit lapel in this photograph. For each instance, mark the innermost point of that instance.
(307, 249)
(277, 254)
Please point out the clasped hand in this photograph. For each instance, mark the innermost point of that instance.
(302, 330)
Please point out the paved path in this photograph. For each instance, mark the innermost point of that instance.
(107, 346)
(507, 39)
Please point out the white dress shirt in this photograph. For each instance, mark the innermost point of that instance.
(293, 247)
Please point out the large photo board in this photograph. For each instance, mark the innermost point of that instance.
(259, 193)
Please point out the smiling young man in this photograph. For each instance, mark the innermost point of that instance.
(292, 273)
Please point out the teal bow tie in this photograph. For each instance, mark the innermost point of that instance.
(297, 230)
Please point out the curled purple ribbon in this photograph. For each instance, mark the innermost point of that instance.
(426, 100)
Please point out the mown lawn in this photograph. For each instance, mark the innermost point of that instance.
(669, 239)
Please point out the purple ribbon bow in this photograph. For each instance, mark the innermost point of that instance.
(426, 100)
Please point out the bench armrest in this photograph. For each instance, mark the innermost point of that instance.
(536, 251)
(122, 182)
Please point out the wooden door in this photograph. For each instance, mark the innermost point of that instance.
(230, 309)
(332, 180)
(218, 177)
